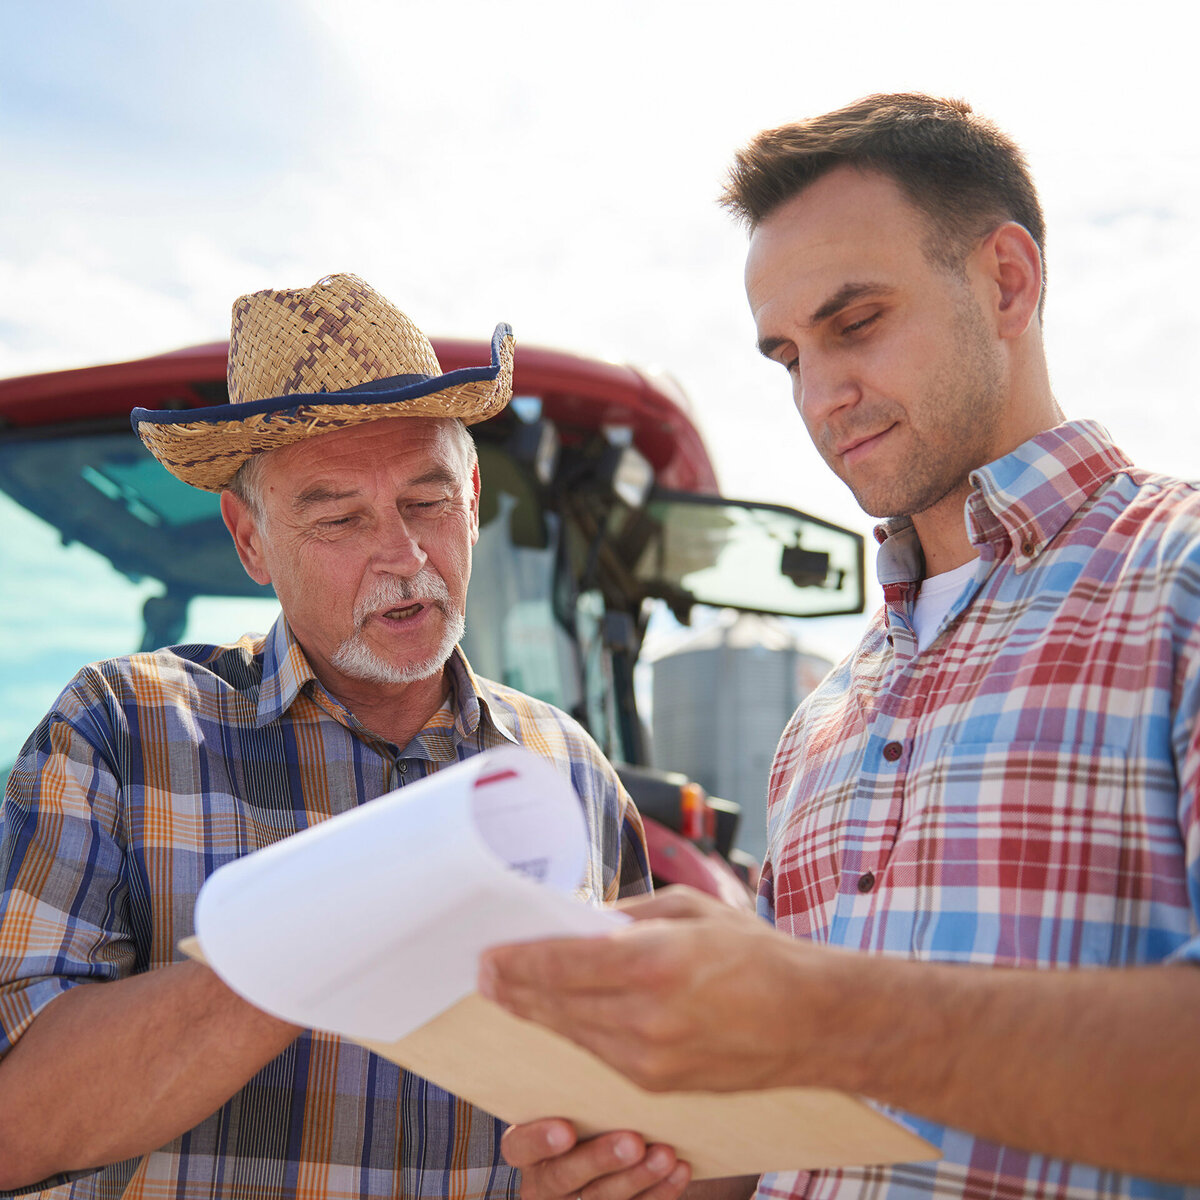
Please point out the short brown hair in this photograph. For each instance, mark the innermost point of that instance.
(959, 169)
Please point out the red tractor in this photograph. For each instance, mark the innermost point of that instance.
(599, 498)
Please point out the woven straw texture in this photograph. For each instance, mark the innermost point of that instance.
(305, 342)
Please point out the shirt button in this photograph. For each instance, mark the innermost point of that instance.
(402, 767)
(866, 882)
(891, 641)
(892, 751)
(1027, 548)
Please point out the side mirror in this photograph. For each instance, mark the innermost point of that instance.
(742, 554)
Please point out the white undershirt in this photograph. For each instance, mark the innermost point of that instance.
(938, 593)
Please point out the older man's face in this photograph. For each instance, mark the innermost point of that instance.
(366, 534)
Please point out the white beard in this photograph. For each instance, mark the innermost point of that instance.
(355, 657)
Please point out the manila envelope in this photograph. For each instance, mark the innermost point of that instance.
(519, 1071)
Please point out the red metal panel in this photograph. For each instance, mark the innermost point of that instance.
(578, 392)
(675, 860)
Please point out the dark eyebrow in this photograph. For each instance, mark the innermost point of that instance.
(847, 294)
(768, 346)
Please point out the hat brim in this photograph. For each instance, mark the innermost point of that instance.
(205, 446)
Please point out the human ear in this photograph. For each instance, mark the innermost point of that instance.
(1013, 262)
(475, 503)
(247, 539)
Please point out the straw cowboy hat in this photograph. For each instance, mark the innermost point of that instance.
(311, 360)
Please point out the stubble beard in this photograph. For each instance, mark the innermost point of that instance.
(967, 397)
(357, 659)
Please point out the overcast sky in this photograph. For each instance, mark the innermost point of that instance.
(555, 165)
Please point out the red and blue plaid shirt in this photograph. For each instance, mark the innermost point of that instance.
(152, 771)
(1021, 791)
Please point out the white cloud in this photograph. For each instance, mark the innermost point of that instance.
(556, 165)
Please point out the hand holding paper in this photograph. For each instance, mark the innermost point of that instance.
(371, 925)
(694, 995)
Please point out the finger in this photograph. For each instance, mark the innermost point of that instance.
(524, 1145)
(569, 1174)
(673, 903)
(673, 1186)
(560, 964)
(584, 1018)
(658, 1176)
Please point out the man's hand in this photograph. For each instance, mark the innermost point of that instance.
(712, 1000)
(692, 994)
(555, 1165)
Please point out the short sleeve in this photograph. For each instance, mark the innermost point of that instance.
(634, 872)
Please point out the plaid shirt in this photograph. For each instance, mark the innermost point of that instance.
(1022, 791)
(154, 770)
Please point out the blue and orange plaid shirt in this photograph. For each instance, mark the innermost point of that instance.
(1024, 790)
(151, 772)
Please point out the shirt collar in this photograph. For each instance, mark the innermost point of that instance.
(476, 701)
(285, 671)
(1022, 499)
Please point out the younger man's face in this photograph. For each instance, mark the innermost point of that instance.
(894, 368)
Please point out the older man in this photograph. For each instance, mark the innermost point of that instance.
(349, 482)
(983, 859)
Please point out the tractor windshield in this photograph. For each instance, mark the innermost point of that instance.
(104, 553)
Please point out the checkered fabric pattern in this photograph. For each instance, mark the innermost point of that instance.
(154, 770)
(1023, 790)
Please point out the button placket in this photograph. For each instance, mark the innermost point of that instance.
(878, 804)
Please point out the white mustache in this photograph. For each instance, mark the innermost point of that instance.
(393, 591)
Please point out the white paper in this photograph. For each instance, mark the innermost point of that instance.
(371, 923)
